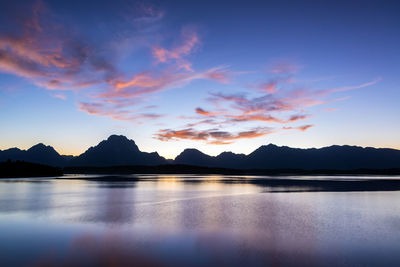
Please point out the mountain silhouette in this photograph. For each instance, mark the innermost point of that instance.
(283, 157)
(118, 150)
(197, 158)
(39, 153)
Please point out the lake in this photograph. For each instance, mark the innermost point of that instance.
(181, 220)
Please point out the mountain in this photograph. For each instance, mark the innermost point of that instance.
(276, 157)
(116, 150)
(193, 156)
(197, 158)
(39, 153)
(119, 150)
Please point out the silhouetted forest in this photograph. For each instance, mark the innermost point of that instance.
(11, 169)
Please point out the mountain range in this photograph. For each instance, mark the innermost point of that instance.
(119, 150)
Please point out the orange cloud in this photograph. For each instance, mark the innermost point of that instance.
(270, 107)
(211, 136)
(300, 128)
(297, 117)
(204, 112)
(254, 118)
(151, 82)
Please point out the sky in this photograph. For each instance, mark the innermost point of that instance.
(212, 75)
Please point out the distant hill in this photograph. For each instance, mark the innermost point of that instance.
(224, 160)
(283, 157)
(121, 151)
(39, 153)
(116, 150)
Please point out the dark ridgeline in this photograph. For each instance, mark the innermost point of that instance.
(116, 150)
(39, 153)
(275, 157)
(120, 151)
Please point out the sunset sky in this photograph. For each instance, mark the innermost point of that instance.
(212, 75)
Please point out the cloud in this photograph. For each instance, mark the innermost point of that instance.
(300, 128)
(204, 112)
(297, 117)
(51, 56)
(59, 60)
(285, 68)
(257, 117)
(177, 54)
(116, 111)
(153, 82)
(13, 64)
(348, 88)
(282, 107)
(220, 74)
(330, 109)
(285, 101)
(211, 136)
(60, 96)
(271, 86)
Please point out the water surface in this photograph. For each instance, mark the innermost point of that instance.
(172, 220)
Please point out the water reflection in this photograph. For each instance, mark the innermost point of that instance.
(196, 220)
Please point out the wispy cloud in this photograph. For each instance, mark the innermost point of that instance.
(285, 67)
(211, 136)
(60, 96)
(282, 107)
(300, 128)
(116, 111)
(50, 57)
(177, 54)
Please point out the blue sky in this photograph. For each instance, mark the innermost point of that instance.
(213, 75)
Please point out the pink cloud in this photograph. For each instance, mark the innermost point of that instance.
(204, 112)
(270, 108)
(52, 57)
(151, 82)
(300, 128)
(211, 136)
(116, 111)
(285, 68)
(177, 54)
(271, 86)
(330, 109)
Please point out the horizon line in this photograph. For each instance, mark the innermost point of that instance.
(173, 158)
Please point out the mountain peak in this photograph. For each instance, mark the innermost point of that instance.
(192, 151)
(115, 137)
(41, 148)
(119, 139)
(116, 150)
(270, 145)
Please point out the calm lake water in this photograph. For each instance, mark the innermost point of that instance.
(180, 220)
